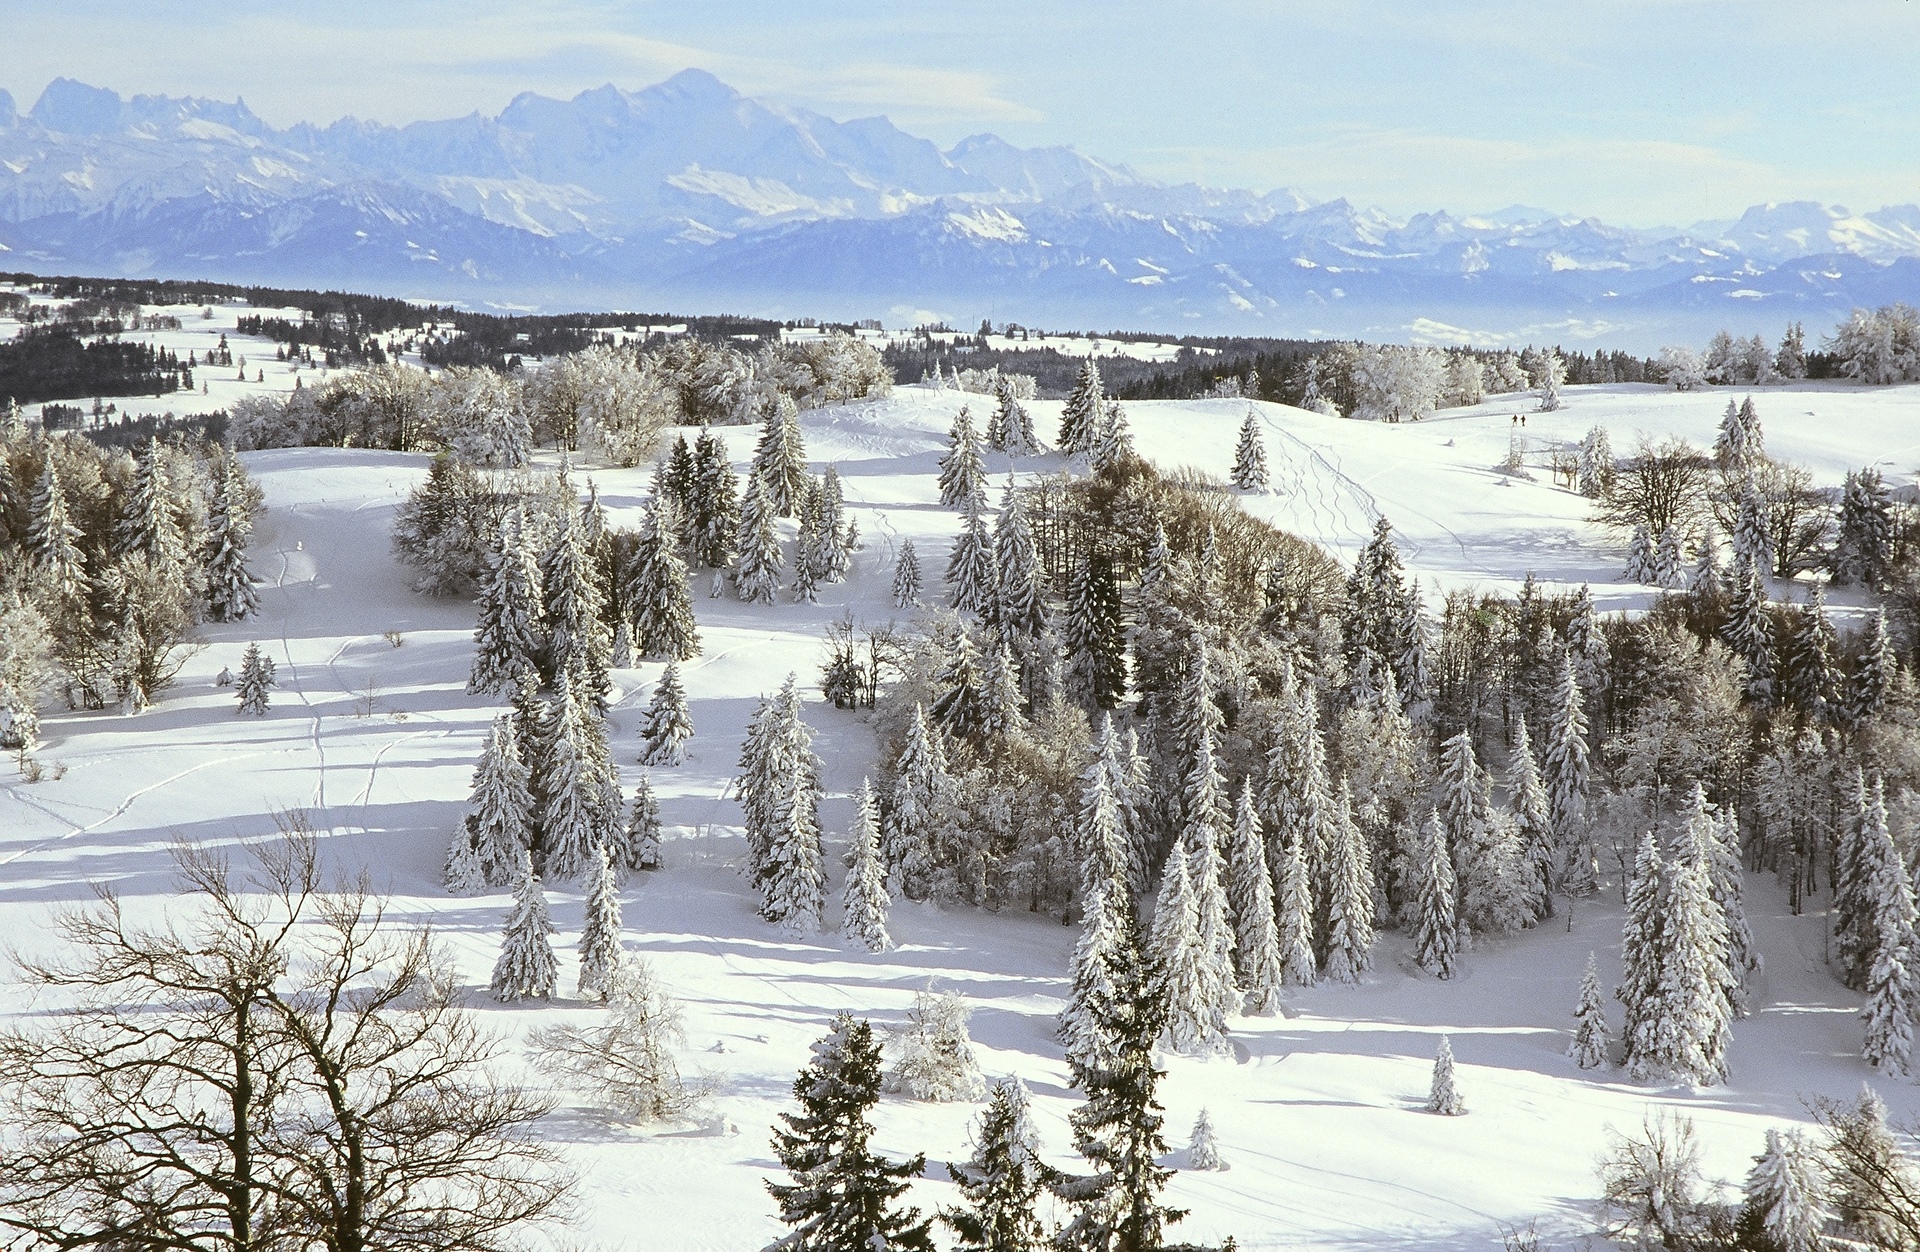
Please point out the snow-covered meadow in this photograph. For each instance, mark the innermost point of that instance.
(1318, 1111)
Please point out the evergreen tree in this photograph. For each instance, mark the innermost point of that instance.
(1872, 677)
(1786, 1197)
(1010, 429)
(256, 681)
(757, 559)
(1002, 720)
(780, 459)
(933, 1053)
(1435, 935)
(921, 800)
(1707, 581)
(1791, 362)
(1349, 897)
(1186, 981)
(1019, 604)
(812, 547)
(1863, 550)
(1640, 557)
(1001, 1183)
(1855, 907)
(1080, 417)
(600, 951)
(1752, 539)
(963, 473)
(1677, 980)
(906, 577)
(1103, 845)
(1100, 960)
(838, 533)
(463, 875)
(659, 593)
(1114, 442)
(53, 541)
(1534, 816)
(1712, 842)
(960, 709)
(1595, 467)
(971, 578)
(1643, 948)
(640, 841)
(1565, 767)
(1749, 630)
(1095, 636)
(1262, 968)
(1443, 1097)
(1250, 456)
(1294, 906)
(714, 503)
(843, 1197)
(230, 593)
(864, 917)
(147, 527)
(666, 726)
(1730, 446)
(506, 639)
(571, 771)
(498, 827)
(1670, 561)
(792, 878)
(527, 969)
(1883, 882)
(780, 793)
(578, 641)
(1811, 682)
(1589, 1046)
(1203, 1148)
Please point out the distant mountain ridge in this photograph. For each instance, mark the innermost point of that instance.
(691, 195)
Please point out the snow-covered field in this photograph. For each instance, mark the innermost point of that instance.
(1317, 1111)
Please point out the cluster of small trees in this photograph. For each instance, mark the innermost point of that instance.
(108, 560)
(1877, 347)
(1392, 383)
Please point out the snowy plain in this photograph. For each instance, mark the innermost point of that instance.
(1318, 1110)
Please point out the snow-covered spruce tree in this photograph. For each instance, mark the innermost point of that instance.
(1114, 441)
(1854, 909)
(779, 792)
(571, 773)
(920, 803)
(1443, 1097)
(600, 950)
(498, 827)
(252, 689)
(147, 526)
(1349, 896)
(1119, 1130)
(1010, 429)
(841, 535)
(1707, 580)
(963, 471)
(639, 843)
(463, 876)
(714, 503)
(1882, 880)
(1203, 1146)
(1296, 804)
(757, 559)
(792, 878)
(527, 968)
(1595, 466)
(1377, 595)
(812, 548)
(579, 644)
(1863, 549)
(1811, 681)
(1730, 443)
(1533, 815)
(1103, 846)
(1436, 936)
(1872, 677)
(1020, 602)
(506, 640)
(1670, 561)
(1002, 1181)
(842, 1197)
(1640, 558)
(667, 725)
(230, 593)
(1002, 716)
(906, 577)
(1786, 1208)
(1752, 538)
(1549, 371)
(1250, 456)
(863, 917)
(1083, 412)
(933, 1054)
(971, 578)
(659, 595)
(1711, 840)
(1749, 630)
(1565, 766)
(53, 541)
(1248, 876)
(1107, 938)
(1293, 906)
(780, 459)
(960, 709)
(1589, 1046)
(1184, 978)
(1643, 957)
(1094, 635)
(1683, 1033)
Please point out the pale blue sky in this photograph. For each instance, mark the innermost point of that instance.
(1640, 111)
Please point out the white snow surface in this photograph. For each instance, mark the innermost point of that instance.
(1320, 1109)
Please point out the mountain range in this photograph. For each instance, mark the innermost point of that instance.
(688, 195)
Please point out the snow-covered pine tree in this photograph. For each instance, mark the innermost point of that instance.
(498, 826)
(1872, 677)
(1811, 681)
(1752, 538)
(971, 578)
(463, 876)
(1595, 467)
(1689, 1031)
(1670, 561)
(1203, 834)
(53, 541)
(1203, 1147)
(1436, 936)
(230, 593)
(256, 682)
(640, 841)
(792, 877)
(1262, 968)
(527, 968)
(1410, 675)
(1083, 412)
(146, 525)
(1102, 846)
(963, 471)
(1863, 549)
(1250, 456)
(1349, 896)
(1002, 1181)
(843, 1197)
(666, 726)
(1002, 720)
(812, 545)
(1730, 443)
(838, 531)
(921, 798)
(959, 711)
(1549, 372)
(1565, 768)
(1020, 603)
(578, 641)
(906, 577)
(1589, 1046)
(933, 1052)
(757, 559)
(564, 772)
(1786, 1207)
(1010, 429)
(1184, 979)
(600, 950)
(715, 502)
(1749, 630)
(1711, 840)
(1707, 581)
(507, 639)
(1095, 635)
(1883, 882)
(1293, 904)
(1103, 953)
(863, 918)
(1246, 872)
(1643, 958)
(1461, 791)
(1443, 1096)
(659, 592)
(1533, 815)
(1114, 442)
(1756, 437)
(1296, 805)
(780, 459)
(1640, 557)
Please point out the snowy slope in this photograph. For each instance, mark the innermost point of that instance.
(1317, 1111)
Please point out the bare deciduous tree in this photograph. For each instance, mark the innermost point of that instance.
(1662, 484)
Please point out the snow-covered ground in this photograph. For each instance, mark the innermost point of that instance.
(1317, 1111)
